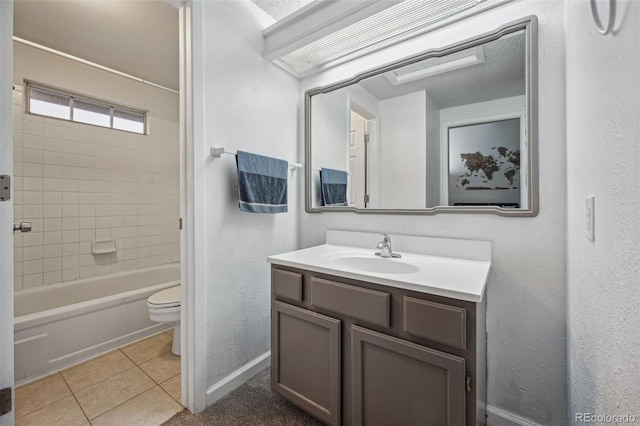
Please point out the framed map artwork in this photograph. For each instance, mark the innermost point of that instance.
(484, 164)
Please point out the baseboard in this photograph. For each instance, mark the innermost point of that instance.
(499, 417)
(237, 378)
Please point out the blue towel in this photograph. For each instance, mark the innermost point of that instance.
(262, 183)
(334, 187)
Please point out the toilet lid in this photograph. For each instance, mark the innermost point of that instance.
(168, 297)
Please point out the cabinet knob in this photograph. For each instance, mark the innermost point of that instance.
(467, 382)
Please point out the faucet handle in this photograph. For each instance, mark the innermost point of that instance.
(386, 239)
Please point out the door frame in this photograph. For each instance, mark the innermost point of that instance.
(193, 308)
(6, 207)
(193, 361)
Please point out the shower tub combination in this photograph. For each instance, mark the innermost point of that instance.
(63, 324)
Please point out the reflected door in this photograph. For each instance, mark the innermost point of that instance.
(357, 161)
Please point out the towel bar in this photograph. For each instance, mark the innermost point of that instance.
(217, 153)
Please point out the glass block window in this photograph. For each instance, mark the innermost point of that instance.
(57, 103)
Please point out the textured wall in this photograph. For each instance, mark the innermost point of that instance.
(526, 303)
(247, 104)
(603, 156)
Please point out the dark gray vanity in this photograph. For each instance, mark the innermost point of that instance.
(352, 352)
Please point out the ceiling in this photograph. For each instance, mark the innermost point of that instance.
(500, 76)
(279, 9)
(132, 36)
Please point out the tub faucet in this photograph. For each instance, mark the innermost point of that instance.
(385, 248)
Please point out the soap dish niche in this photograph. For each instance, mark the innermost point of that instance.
(103, 246)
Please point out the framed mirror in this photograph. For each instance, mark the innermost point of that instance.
(450, 130)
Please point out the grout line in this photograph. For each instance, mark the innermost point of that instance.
(128, 357)
(173, 399)
(52, 402)
(75, 398)
(176, 400)
(124, 402)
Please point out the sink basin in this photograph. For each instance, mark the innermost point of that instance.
(376, 264)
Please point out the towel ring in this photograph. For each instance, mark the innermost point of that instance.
(596, 16)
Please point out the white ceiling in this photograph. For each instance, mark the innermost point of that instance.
(279, 9)
(500, 76)
(137, 37)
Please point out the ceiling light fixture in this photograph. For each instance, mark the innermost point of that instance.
(464, 59)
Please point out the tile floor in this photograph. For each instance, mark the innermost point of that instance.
(135, 385)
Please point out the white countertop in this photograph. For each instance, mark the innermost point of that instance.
(461, 279)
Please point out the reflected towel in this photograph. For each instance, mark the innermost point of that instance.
(262, 183)
(333, 185)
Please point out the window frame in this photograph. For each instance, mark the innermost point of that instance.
(28, 84)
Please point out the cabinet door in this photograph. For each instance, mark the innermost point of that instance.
(305, 360)
(395, 382)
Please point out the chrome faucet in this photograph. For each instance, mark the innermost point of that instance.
(385, 248)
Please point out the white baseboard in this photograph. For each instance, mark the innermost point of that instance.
(237, 378)
(499, 417)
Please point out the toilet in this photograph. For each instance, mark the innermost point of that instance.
(164, 306)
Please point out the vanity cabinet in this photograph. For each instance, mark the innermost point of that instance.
(352, 352)
(306, 364)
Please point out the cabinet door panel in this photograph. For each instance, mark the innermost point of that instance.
(396, 382)
(305, 360)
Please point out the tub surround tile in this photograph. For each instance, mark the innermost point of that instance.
(102, 397)
(173, 387)
(96, 370)
(149, 348)
(65, 412)
(153, 407)
(163, 367)
(72, 170)
(34, 396)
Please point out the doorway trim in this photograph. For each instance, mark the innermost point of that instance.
(194, 336)
(6, 209)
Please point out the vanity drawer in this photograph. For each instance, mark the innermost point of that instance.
(355, 302)
(434, 321)
(286, 285)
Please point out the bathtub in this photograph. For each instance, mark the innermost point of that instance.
(60, 325)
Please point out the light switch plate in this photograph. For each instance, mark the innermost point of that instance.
(590, 217)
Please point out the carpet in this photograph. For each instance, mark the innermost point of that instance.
(253, 403)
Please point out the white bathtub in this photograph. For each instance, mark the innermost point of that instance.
(60, 325)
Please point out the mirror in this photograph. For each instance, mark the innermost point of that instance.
(450, 130)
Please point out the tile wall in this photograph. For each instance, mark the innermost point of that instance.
(77, 183)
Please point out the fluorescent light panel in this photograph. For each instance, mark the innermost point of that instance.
(471, 57)
(396, 20)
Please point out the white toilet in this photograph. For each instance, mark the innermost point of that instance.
(164, 306)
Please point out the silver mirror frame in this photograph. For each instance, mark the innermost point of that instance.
(530, 26)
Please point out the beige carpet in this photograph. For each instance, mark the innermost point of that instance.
(253, 403)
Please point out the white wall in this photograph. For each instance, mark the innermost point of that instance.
(43, 67)
(526, 303)
(242, 101)
(402, 152)
(603, 154)
(433, 174)
(77, 183)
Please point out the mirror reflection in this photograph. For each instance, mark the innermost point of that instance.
(441, 131)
